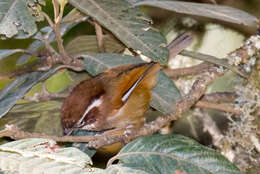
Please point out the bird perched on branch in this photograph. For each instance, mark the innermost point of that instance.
(116, 98)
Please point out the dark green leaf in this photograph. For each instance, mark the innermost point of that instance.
(171, 153)
(128, 24)
(17, 18)
(223, 13)
(164, 94)
(18, 88)
(12, 85)
(42, 117)
(84, 146)
(101, 62)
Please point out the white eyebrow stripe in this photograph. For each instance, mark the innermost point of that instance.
(95, 103)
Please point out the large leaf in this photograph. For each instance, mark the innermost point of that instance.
(128, 24)
(42, 117)
(120, 169)
(36, 155)
(164, 94)
(87, 44)
(69, 22)
(46, 148)
(17, 18)
(223, 13)
(16, 89)
(100, 62)
(174, 154)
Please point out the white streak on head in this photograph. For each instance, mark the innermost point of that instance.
(93, 104)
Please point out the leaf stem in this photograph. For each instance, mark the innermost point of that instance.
(214, 60)
(100, 38)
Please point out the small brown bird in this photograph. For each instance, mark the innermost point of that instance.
(116, 98)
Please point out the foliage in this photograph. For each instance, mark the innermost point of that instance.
(125, 34)
(171, 153)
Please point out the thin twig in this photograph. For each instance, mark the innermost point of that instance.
(45, 95)
(179, 44)
(211, 101)
(100, 38)
(59, 39)
(217, 106)
(56, 28)
(27, 52)
(15, 133)
(220, 97)
(26, 69)
(48, 19)
(194, 70)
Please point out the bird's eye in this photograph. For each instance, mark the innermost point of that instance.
(80, 124)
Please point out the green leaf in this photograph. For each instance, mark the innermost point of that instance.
(171, 153)
(120, 169)
(12, 85)
(100, 62)
(58, 82)
(16, 89)
(223, 13)
(84, 146)
(165, 93)
(42, 117)
(128, 24)
(37, 155)
(17, 18)
(42, 148)
(87, 44)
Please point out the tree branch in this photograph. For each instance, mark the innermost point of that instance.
(15, 133)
